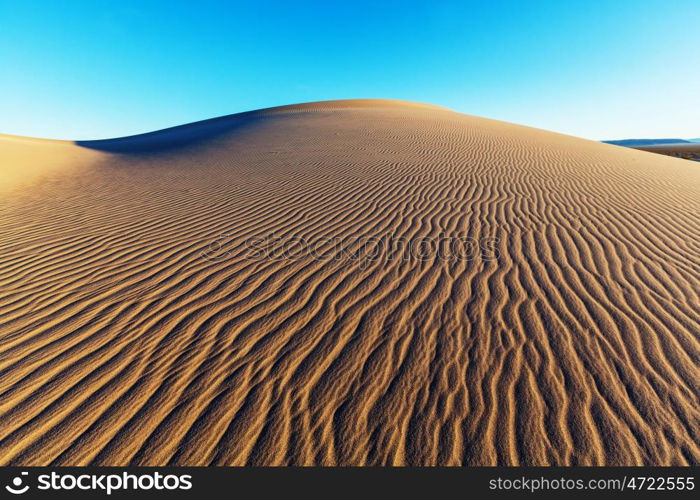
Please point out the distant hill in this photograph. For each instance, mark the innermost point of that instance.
(649, 142)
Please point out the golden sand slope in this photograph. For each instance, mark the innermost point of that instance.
(137, 327)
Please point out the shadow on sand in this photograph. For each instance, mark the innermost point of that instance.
(174, 138)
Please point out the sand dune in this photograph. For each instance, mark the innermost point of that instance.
(140, 324)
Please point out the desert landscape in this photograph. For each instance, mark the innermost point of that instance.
(159, 304)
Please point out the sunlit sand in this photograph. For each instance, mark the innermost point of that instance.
(136, 327)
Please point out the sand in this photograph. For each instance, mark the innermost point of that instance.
(141, 323)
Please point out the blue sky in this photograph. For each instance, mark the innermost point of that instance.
(597, 69)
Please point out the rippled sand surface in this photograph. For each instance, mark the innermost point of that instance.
(144, 319)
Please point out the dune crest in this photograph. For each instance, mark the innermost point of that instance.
(246, 290)
(183, 136)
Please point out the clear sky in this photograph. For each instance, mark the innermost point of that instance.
(601, 69)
